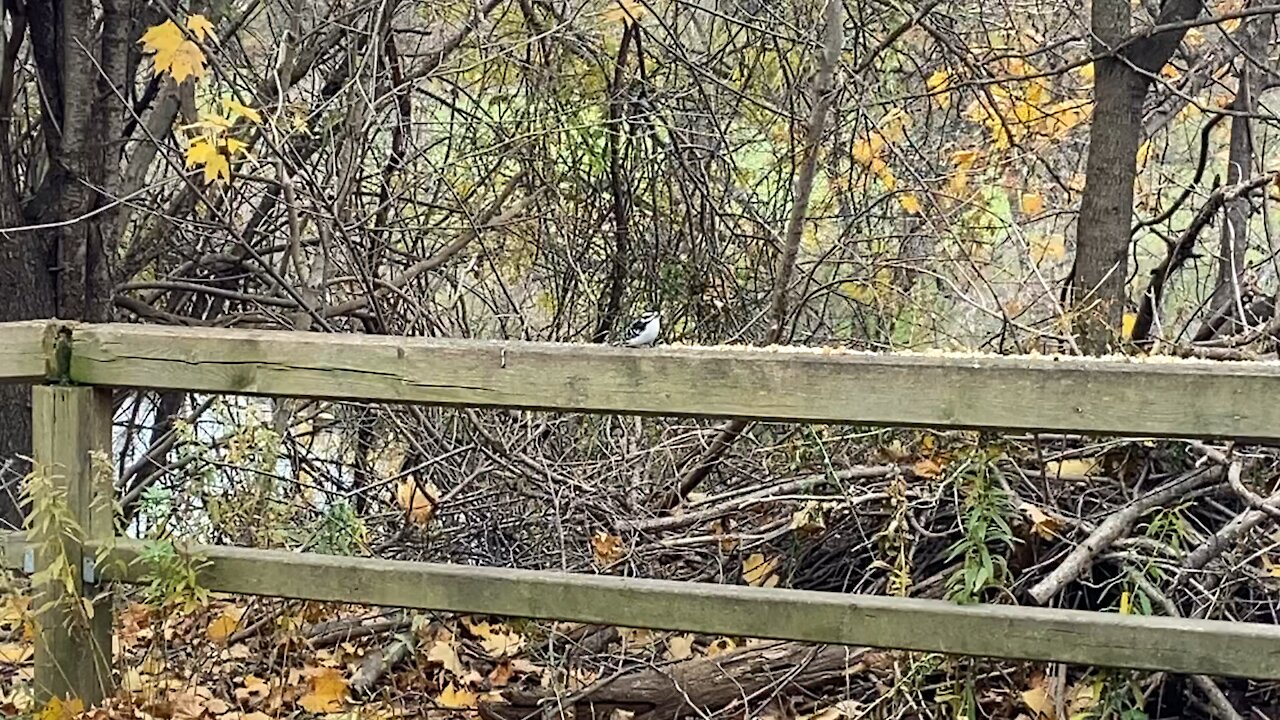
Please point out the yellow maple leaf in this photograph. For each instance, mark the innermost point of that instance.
(213, 122)
(203, 153)
(1127, 324)
(200, 152)
(497, 640)
(1052, 247)
(234, 146)
(172, 52)
(200, 26)
(938, 84)
(235, 107)
(910, 203)
(217, 167)
(187, 61)
(1032, 203)
(894, 124)
(457, 698)
(1038, 701)
(885, 173)
(444, 651)
(865, 150)
(59, 709)
(165, 37)
(328, 692)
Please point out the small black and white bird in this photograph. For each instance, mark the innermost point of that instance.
(644, 332)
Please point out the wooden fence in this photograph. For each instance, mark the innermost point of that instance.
(74, 367)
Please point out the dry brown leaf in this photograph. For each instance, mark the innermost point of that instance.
(501, 674)
(720, 647)
(638, 636)
(758, 572)
(722, 528)
(13, 609)
(680, 647)
(581, 678)
(419, 503)
(445, 652)
(607, 549)
(1046, 525)
(1077, 467)
(255, 690)
(1038, 701)
(497, 640)
(521, 665)
(187, 706)
(224, 624)
(926, 468)
(15, 653)
(808, 519)
(328, 691)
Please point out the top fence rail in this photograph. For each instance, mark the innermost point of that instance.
(1120, 396)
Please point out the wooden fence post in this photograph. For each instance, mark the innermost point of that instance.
(73, 649)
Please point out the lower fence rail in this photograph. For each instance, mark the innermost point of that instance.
(1211, 647)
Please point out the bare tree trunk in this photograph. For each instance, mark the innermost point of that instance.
(1228, 305)
(609, 306)
(1106, 211)
(62, 269)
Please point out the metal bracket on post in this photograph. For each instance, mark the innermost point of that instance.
(29, 561)
(89, 570)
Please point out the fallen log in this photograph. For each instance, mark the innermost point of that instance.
(694, 687)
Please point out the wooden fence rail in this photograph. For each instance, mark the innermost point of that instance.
(1113, 396)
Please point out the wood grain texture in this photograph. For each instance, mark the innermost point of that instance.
(1124, 397)
(1103, 639)
(26, 350)
(13, 545)
(73, 653)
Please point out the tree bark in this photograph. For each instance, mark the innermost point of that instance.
(1228, 305)
(698, 686)
(1122, 77)
(60, 268)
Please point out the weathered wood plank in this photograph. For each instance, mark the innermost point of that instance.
(73, 648)
(26, 350)
(1132, 397)
(13, 545)
(1177, 645)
